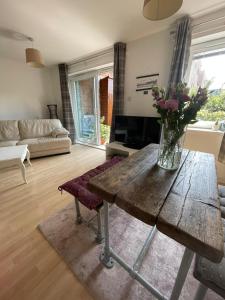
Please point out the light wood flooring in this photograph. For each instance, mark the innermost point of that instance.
(29, 266)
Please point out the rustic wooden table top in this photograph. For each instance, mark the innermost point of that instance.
(183, 204)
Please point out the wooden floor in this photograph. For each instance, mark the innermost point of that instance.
(29, 267)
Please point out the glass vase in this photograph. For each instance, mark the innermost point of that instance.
(170, 148)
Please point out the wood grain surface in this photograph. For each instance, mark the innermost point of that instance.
(184, 204)
(109, 183)
(145, 195)
(191, 213)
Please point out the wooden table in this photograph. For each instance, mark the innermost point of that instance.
(182, 204)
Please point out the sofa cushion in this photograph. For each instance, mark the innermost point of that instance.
(8, 143)
(38, 128)
(45, 143)
(9, 130)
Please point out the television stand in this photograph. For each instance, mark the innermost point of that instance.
(117, 148)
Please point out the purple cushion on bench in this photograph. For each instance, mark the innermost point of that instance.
(78, 186)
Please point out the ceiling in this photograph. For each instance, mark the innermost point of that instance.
(68, 29)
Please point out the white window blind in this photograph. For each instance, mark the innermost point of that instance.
(208, 24)
(99, 60)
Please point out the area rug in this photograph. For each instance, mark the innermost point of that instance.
(76, 245)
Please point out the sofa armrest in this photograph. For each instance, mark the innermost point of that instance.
(60, 132)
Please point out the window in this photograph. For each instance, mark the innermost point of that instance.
(208, 70)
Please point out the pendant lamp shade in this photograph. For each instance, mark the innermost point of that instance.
(160, 9)
(33, 58)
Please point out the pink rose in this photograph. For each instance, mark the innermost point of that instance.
(162, 104)
(172, 105)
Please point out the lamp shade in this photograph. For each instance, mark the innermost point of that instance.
(33, 58)
(160, 9)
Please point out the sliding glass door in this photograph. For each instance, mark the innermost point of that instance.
(84, 89)
(92, 101)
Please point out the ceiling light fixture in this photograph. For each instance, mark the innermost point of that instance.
(33, 56)
(160, 9)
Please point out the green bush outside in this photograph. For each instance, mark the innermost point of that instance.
(214, 109)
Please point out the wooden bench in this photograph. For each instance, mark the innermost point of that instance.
(78, 188)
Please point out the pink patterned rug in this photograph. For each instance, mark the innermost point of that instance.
(76, 245)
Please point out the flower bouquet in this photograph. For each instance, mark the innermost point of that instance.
(177, 109)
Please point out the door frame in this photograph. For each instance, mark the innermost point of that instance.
(72, 87)
(97, 112)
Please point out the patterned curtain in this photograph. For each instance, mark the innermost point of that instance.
(68, 120)
(181, 51)
(221, 157)
(118, 84)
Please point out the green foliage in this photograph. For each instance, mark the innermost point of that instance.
(104, 130)
(206, 115)
(214, 109)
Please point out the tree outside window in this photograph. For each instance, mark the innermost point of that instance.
(208, 69)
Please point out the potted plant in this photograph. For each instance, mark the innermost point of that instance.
(177, 109)
(104, 131)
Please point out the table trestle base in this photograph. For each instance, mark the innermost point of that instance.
(108, 261)
(135, 275)
(109, 255)
(144, 249)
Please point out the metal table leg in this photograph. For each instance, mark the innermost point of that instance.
(105, 256)
(108, 256)
(201, 292)
(99, 236)
(144, 249)
(78, 214)
(182, 273)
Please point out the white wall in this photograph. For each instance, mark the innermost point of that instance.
(25, 91)
(151, 54)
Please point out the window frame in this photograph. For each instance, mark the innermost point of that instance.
(199, 47)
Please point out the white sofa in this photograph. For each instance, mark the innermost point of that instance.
(43, 137)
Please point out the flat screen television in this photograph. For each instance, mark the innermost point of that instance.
(137, 132)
